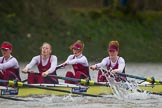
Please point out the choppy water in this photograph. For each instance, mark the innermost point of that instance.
(134, 100)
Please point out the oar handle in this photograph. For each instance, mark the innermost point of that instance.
(59, 66)
(33, 72)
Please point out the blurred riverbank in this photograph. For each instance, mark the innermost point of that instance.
(139, 34)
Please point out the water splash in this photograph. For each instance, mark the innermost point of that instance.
(127, 90)
(68, 97)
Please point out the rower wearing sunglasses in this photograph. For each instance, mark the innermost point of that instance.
(78, 61)
(112, 62)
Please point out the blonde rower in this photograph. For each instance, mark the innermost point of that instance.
(46, 64)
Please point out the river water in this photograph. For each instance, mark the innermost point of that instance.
(135, 101)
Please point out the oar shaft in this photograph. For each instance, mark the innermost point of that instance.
(21, 84)
(59, 66)
(151, 80)
(82, 81)
(14, 99)
(131, 76)
(3, 81)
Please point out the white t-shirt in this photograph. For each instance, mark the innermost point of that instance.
(81, 59)
(11, 62)
(106, 61)
(36, 60)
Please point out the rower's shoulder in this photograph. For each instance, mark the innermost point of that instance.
(53, 56)
(121, 59)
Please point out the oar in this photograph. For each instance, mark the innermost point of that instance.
(25, 80)
(81, 81)
(33, 72)
(20, 84)
(151, 80)
(14, 99)
(154, 93)
(58, 67)
(148, 79)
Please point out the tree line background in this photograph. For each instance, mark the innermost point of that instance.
(136, 24)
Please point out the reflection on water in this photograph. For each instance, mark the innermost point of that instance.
(134, 101)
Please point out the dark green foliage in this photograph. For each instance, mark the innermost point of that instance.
(27, 24)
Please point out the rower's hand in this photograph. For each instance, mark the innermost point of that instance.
(93, 67)
(1, 72)
(44, 74)
(25, 70)
(113, 71)
(64, 64)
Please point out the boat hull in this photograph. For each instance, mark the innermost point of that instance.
(35, 91)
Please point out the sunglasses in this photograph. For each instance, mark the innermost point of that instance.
(2, 49)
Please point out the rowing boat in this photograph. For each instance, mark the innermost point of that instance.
(58, 89)
(29, 91)
(92, 88)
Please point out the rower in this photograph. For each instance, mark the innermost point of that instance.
(9, 67)
(78, 61)
(46, 64)
(113, 62)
